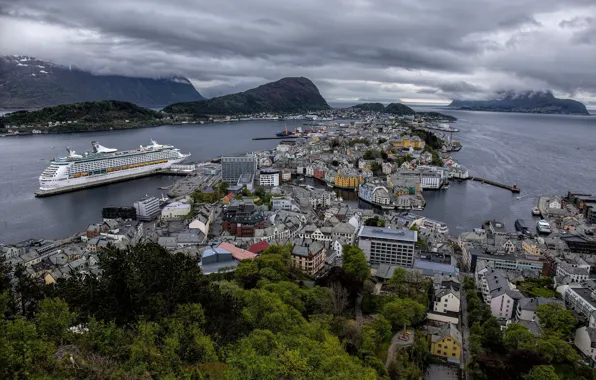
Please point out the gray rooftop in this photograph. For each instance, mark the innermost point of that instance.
(388, 234)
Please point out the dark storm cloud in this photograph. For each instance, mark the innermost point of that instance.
(350, 48)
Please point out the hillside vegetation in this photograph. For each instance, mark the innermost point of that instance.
(287, 95)
(85, 116)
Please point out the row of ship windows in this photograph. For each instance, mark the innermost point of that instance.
(79, 167)
(114, 169)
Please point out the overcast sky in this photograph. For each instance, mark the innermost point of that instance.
(352, 49)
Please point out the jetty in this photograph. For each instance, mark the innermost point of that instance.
(278, 138)
(513, 188)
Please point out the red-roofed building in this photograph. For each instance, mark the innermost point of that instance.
(237, 253)
(228, 198)
(258, 247)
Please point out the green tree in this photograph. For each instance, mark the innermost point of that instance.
(493, 336)
(517, 335)
(556, 318)
(402, 312)
(23, 353)
(542, 372)
(354, 262)
(54, 319)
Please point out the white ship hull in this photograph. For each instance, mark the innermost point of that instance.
(50, 185)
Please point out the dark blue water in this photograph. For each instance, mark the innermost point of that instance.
(542, 154)
(23, 216)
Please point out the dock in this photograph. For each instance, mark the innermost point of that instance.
(107, 181)
(513, 188)
(277, 138)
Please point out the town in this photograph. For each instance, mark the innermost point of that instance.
(337, 188)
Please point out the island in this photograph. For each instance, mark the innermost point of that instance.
(525, 102)
(400, 109)
(82, 117)
(287, 95)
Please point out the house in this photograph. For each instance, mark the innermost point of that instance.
(447, 343)
(447, 299)
(585, 341)
(308, 255)
(175, 210)
(526, 307)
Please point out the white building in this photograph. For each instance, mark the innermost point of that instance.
(585, 341)
(447, 300)
(499, 294)
(554, 203)
(284, 204)
(582, 301)
(388, 245)
(374, 193)
(430, 180)
(175, 210)
(320, 198)
(575, 272)
(269, 177)
(147, 208)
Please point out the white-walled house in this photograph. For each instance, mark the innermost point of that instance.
(585, 341)
(446, 300)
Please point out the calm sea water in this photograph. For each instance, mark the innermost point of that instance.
(542, 154)
(23, 216)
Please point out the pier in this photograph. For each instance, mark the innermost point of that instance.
(278, 138)
(513, 188)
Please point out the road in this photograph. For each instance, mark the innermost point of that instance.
(398, 344)
(464, 328)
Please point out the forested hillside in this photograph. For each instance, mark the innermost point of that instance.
(153, 314)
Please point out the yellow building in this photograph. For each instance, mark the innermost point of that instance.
(531, 247)
(348, 180)
(409, 142)
(446, 343)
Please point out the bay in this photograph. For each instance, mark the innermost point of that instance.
(542, 154)
(22, 216)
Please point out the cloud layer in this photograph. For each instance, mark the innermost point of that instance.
(381, 49)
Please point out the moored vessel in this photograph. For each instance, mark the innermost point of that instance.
(105, 165)
(543, 227)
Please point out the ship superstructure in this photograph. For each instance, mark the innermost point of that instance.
(106, 165)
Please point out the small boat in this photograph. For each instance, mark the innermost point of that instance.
(536, 211)
(518, 198)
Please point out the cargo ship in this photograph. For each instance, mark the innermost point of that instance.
(105, 165)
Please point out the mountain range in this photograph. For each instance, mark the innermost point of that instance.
(293, 94)
(525, 102)
(26, 82)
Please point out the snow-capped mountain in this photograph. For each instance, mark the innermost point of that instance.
(26, 82)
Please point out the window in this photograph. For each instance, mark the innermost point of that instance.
(453, 354)
(439, 345)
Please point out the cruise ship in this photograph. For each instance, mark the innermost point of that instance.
(105, 165)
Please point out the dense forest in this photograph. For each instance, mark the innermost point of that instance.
(153, 314)
(85, 116)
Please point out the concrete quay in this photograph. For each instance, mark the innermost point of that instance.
(102, 182)
(513, 189)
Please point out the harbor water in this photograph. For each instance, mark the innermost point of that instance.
(542, 154)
